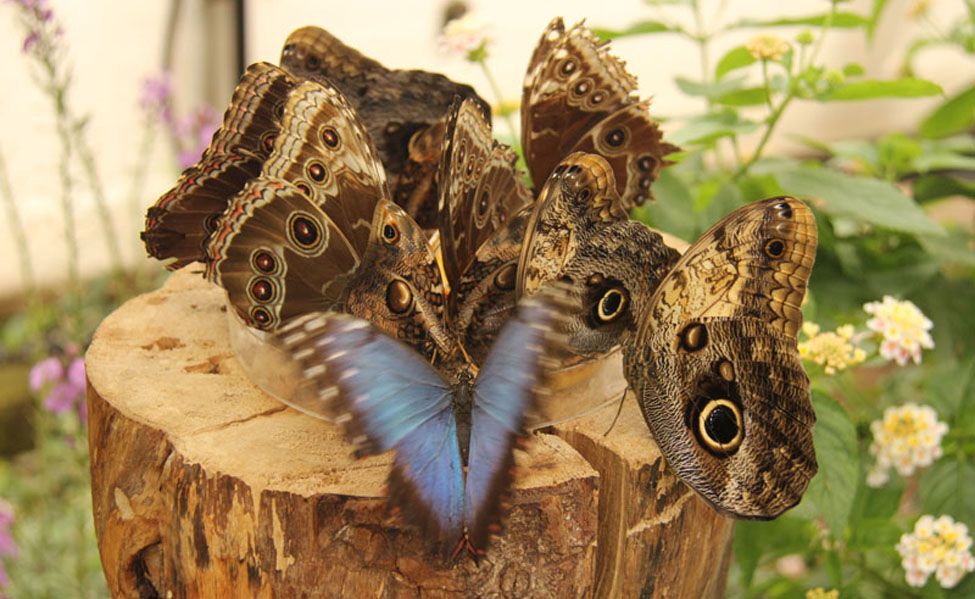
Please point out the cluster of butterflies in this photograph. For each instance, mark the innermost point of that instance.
(429, 314)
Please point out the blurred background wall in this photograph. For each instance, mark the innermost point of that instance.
(112, 47)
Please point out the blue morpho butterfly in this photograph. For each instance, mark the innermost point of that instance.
(389, 397)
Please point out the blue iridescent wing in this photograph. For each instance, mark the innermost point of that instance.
(514, 375)
(388, 397)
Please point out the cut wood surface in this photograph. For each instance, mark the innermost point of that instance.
(205, 486)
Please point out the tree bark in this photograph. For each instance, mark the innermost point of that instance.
(204, 486)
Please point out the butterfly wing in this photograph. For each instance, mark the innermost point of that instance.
(398, 287)
(479, 187)
(715, 366)
(181, 220)
(578, 200)
(579, 97)
(394, 104)
(278, 255)
(389, 398)
(324, 150)
(514, 375)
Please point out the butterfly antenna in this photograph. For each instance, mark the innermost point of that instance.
(465, 543)
(619, 411)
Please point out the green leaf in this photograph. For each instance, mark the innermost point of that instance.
(751, 96)
(907, 87)
(956, 115)
(708, 90)
(932, 187)
(673, 210)
(640, 28)
(840, 19)
(875, 11)
(832, 491)
(870, 200)
(736, 58)
(948, 487)
(710, 127)
(755, 540)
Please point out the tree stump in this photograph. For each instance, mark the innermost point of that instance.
(204, 486)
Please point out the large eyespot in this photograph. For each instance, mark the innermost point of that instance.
(774, 248)
(317, 171)
(785, 210)
(313, 62)
(582, 88)
(584, 194)
(390, 232)
(616, 137)
(719, 426)
(330, 138)
(304, 231)
(303, 188)
(263, 290)
(399, 298)
(611, 305)
(505, 279)
(264, 261)
(261, 317)
(693, 337)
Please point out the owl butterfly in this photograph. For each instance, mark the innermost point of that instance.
(179, 224)
(482, 211)
(715, 366)
(292, 238)
(453, 436)
(578, 97)
(403, 110)
(579, 232)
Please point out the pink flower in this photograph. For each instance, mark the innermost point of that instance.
(8, 548)
(67, 392)
(157, 95)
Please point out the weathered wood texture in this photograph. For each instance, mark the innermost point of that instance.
(204, 486)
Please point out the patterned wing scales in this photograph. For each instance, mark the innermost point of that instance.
(579, 97)
(324, 150)
(278, 255)
(715, 365)
(180, 222)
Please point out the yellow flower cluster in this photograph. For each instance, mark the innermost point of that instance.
(904, 329)
(832, 351)
(909, 437)
(821, 593)
(766, 47)
(936, 546)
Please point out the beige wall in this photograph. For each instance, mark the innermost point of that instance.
(115, 44)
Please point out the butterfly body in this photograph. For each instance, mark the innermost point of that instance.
(453, 435)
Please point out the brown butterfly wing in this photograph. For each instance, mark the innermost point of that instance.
(394, 104)
(415, 188)
(179, 223)
(279, 255)
(578, 199)
(398, 287)
(479, 187)
(324, 150)
(715, 365)
(579, 97)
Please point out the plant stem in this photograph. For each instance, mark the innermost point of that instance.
(497, 95)
(19, 235)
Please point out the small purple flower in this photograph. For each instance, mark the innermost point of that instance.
(157, 96)
(68, 390)
(45, 371)
(8, 548)
(31, 40)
